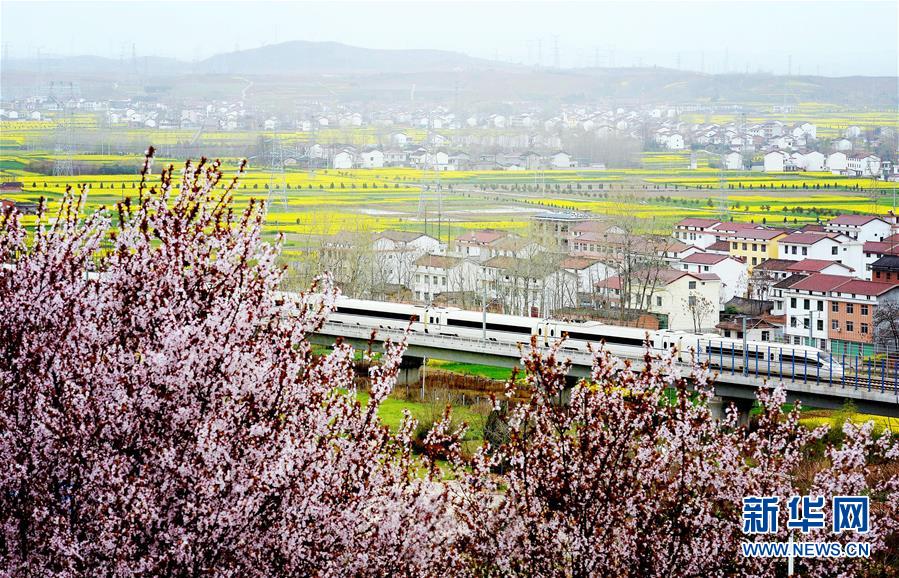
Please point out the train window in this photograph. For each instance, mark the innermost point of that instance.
(616, 339)
(490, 326)
(379, 314)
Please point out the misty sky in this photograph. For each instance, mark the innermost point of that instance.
(835, 38)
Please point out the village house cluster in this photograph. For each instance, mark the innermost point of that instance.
(520, 136)
(818, 285)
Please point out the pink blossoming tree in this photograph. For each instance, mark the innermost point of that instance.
(162, 414)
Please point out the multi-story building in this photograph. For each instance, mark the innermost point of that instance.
(755, 245)
(885, 269)
(860, 227)
(438, 274)
(681, 300)
(732, 272)
(851, 311)
(696, 231)
(806, 304)
(825, 246)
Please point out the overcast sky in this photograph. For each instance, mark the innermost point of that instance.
(835, 38)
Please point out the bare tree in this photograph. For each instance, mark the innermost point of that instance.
(699, 308)
(886, 325)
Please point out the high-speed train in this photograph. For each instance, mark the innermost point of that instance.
(720, 352)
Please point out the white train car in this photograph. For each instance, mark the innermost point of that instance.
(720, 353)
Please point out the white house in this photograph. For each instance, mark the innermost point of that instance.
(399, 139)
(527, 290)
(561, 160)
(806, 307)
(778, 162)
(842, 144)
(397, 251)
(837, 163)
(860, 227)
(812, 161)
(697, 231)
(676, 297)
(371, 159)
(733, 161)
(825, 246)
(675, 142)
(863, 165)
(476, 244)
(589, 271)
(436, 274)
(733, 273)
(343, 159)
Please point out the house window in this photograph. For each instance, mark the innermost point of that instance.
(820, 305)
(806, 304)
(864, 309)
(793, 248)
(834, 250)
(805, 323)
(755, 247)
(835, 307)
(850, 308)
(793, 302)
(691, 285)
(864, 328)
(658, 301)
(835, 325)
(766, 336)
(820, 325)
(805, 250)
(754, 261)
(796, 341)
(686, 267)
(692, 300)
(850, 326)
(745, 246)
(727, 333)
(733, 245)
(764, 247)
(792, 322)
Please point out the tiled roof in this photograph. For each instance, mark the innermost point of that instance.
(400, 236)
(577, 263)
(704, 258)
(719, 246)
(807, 238)
(814, 265)
(438, 261)
(481, 237)
(862, 287)
(854, 220)
(819, 282)
(697, 222)
(774, 265)
(886, 263)
(789, 281)
(880, 247)
(758, 234)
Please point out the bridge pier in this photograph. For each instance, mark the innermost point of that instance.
(410, 371)
(719, 404)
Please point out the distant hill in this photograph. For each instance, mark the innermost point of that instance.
(302, 57)
(287, 71)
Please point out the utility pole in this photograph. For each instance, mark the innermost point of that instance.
(745, 350)
(484, 310)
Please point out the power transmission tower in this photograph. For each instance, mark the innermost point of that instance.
(64, 146)
(277, 182)
(556, 59)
